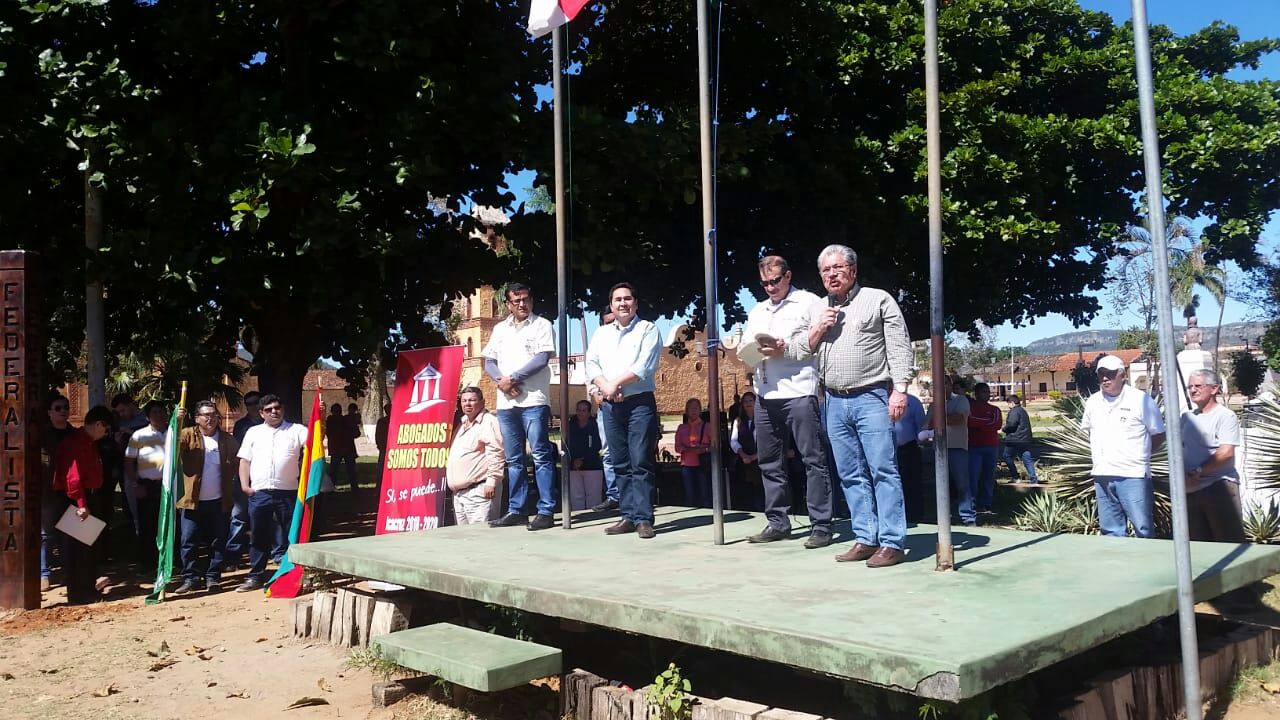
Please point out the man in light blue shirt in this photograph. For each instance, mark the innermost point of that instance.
(622, 361)
(906, 432)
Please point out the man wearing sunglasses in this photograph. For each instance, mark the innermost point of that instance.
(1124, 427)
(270, 459)
(788, 405)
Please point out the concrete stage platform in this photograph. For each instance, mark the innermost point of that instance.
(1018, 603)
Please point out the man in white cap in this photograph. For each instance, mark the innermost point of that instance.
(1124, 426)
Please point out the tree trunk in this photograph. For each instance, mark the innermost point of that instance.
(95, 334)
(285, 353)
(1217, 337)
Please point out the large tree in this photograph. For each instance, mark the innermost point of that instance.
(821, 139)
(298, 172)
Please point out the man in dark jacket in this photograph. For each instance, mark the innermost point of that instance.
(1017, 439)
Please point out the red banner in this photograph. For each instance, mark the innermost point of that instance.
(422, 408)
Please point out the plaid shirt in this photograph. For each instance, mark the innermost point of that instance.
(868, 345)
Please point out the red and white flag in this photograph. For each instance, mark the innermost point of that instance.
(547, 15)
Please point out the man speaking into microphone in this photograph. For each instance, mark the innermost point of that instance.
(863, 354)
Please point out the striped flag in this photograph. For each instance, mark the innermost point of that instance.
(547, 15)
(172, 488)
(287, 582)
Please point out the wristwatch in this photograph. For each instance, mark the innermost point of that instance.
(900, 387)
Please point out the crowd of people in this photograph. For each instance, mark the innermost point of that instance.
(830, 409)
(236, 501)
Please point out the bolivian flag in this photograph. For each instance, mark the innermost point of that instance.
(288, 578)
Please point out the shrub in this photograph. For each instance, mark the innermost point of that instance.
(1262, 524)
(1247, 372)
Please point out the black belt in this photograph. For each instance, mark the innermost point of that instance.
(850, 392)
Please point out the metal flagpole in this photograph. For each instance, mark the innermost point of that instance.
(946, 552)
(709, 274)
(1169, 363)
(562, 269)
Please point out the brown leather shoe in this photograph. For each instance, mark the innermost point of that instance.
(622, 527)
(885, 557)
(857, 553)
(644, 530)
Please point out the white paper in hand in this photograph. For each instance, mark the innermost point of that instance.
(749, 353)
(86, 531)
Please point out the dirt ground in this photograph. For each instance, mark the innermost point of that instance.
(231, 654)
(196, 656)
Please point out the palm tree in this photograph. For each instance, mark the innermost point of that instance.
(1190, 271)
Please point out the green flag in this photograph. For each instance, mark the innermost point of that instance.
(171, 489)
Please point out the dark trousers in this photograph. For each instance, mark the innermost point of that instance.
(350, 462)
(632, 427)
(270, 512)
(697, 486)
(1213, 514)
(238, 529)
(148, 517)
(908, 456)
(799, 417)
(81, 561)
(207, 523)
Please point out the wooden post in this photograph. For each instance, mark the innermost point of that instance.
(22, 419)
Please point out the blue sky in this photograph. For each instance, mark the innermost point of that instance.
(1254, 19)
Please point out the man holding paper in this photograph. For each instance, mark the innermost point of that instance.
(788, 404)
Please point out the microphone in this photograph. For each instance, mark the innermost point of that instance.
(831, 303)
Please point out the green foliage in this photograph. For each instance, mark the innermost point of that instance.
(1247, 372)
(369, 659)
(288, 175)
(1085, 378)
(1047, 512)
(1136, 338)
(1262, 523)
(668, 697)
(1068, 406)
(821, 139)
(1261, 418)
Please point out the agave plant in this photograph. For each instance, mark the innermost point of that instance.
(1262, 421)
(1045, 512)
(1262, 523)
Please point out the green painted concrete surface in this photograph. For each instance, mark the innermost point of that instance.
(1018, 602)
(470, 658)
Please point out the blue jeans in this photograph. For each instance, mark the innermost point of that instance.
(208, 523)
(1121, 499)
(982, 474)
(697, 486)
(1012, 452)
(238, 534)
(519, 424)
(632, 427)
(610, 479)
(270, 512)
(862, 442)
(958, 469)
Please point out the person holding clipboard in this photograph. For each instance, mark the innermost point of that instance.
(788, 405)
(77, 482)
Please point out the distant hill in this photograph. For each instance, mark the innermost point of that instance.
(1095, 340)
